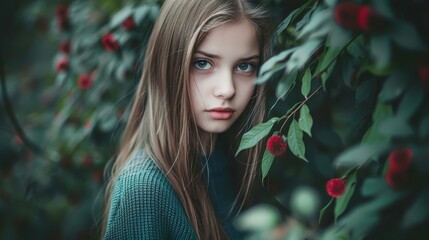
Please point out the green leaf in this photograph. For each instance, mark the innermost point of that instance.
(266, 76)
(382, 110)
(305, 120)
(335, 232)
(394, 86)
(252, 137)
(374, 186)
(406, 35)
(123, 37)
(283, 25)
(323, 210)
(286, 84)
(306, 83)
(381, 51)
(61, 79)
(418, 212)
(140, 13)
(270, 63)
(357, 155)
(365, 90)
(325, 29)
(357, 48)
(395, 127)
(384, 8)
(295, 142)
(120, 16)
(330, 55)
(372, 136)
(258, 218)
(317, 21)
(330, 3)
(304, 202)
(424, 126)
(366, 216)
(292, 16)
(302, 54)
(267, 160)
(342, 202)
(325, 76)
(410, 102)
(154, 12)
(338, 37)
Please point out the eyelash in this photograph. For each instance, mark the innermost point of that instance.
(196, 62)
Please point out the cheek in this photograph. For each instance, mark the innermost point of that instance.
(247, 89)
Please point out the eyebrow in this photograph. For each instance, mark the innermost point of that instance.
(210, 55)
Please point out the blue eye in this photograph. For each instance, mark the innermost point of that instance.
(245, 67)
(202, 65)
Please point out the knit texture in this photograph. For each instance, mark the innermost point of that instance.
(145, 206)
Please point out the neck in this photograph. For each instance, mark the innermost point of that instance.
(209, 142)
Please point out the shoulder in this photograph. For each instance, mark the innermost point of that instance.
(144, 204)
(141, 169)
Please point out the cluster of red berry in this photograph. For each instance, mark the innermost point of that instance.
(109, 42)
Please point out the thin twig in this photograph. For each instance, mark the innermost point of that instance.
(299, 106)
(317, 76)
(12, 117)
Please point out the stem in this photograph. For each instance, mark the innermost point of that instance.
(335, 59)
(299, 106)
(317, 75)
(12, 117)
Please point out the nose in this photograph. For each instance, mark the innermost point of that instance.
(224, 87)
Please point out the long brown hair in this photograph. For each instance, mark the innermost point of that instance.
(161, 119)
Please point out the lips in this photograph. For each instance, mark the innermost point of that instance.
(220, 113)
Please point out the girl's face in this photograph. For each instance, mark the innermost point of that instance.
(223, 75)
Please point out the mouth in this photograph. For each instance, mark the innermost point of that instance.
(220, 113)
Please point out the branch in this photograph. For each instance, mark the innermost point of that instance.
(12, 117)
(318, 76)
(299, 106)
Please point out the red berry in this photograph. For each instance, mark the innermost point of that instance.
(345, 15)
(276, 145)
(109, 42)
(84, 81)
(62, 65)
(129, 23)
(336, 187)
(61, 10)
(400, 159)
(65, 47)
(87, 161)
(370, 21)
(397, 179)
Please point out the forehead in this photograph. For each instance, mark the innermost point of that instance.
(232, 39)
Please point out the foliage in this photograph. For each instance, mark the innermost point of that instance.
(76, 124)
(353, 76)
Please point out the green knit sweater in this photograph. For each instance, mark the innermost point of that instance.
(145, 206)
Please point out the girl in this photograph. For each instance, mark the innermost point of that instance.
(176, 176)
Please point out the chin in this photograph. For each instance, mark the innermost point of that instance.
(217, 129)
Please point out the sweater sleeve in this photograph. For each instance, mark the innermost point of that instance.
(144, 206)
